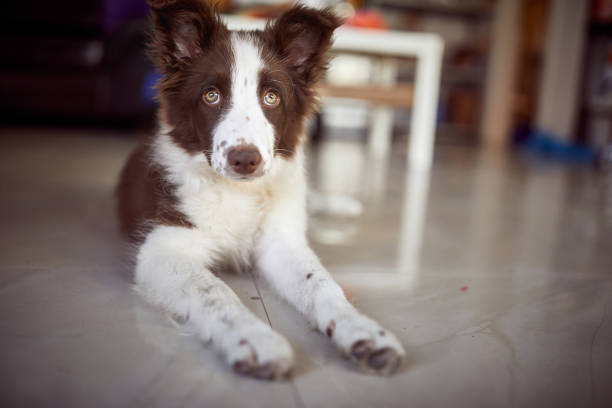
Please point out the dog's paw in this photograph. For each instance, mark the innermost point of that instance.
(371, 347)
(261, 353)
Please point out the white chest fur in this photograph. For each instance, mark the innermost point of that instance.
(230, 215)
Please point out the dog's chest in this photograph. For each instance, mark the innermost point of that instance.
(228, 215)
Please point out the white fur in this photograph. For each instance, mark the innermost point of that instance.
(245, 123)
(263, 220)
(173, 272)
(229, 213)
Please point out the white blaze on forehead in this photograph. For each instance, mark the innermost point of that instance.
(245, 122)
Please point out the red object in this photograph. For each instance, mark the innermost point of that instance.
(601, 10)
(463, 289)
(367, 19)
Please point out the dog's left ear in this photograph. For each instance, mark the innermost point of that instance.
(302, 36)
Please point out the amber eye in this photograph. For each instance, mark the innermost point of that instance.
(212, 96)
(271, 98)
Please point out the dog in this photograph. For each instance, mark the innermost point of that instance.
(222, 183)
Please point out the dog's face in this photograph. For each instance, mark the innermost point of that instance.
(238, 98)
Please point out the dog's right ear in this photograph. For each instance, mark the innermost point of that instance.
(182, 30)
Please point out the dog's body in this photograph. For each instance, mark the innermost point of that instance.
(223, 183)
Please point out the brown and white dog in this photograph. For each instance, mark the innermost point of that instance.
(223, 182)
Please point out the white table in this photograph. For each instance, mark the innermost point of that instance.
(427, 48)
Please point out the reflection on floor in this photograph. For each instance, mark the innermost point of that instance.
(494, 271)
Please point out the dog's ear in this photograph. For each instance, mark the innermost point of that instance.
(302, 36)
(182, 30)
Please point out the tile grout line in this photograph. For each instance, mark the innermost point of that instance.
(296, 393)
(263, 304)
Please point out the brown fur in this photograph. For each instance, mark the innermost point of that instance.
(208, 60)
(294, 49)
(146, 198)
(191, 47)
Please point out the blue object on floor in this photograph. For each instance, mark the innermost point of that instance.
(546, 145)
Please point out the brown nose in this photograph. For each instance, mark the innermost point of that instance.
(244, 159)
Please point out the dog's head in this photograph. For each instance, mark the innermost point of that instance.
(239, 98)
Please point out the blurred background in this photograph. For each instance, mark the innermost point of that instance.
(531, 73)
(496, 257)
(527, 78)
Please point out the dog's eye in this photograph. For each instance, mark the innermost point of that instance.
(271, 98)
(212, 96)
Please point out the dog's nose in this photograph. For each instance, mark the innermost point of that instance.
(244, 159)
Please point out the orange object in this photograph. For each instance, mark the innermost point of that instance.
(367, 19)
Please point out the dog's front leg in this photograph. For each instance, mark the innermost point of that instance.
(173, 272)
(289, 265)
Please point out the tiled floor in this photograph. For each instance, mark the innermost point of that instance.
(495, 273)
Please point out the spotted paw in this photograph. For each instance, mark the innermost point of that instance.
(384, 360)
(263, 354)
(372, 348)
(268, 371)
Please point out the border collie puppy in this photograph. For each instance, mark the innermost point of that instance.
(222, 182)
